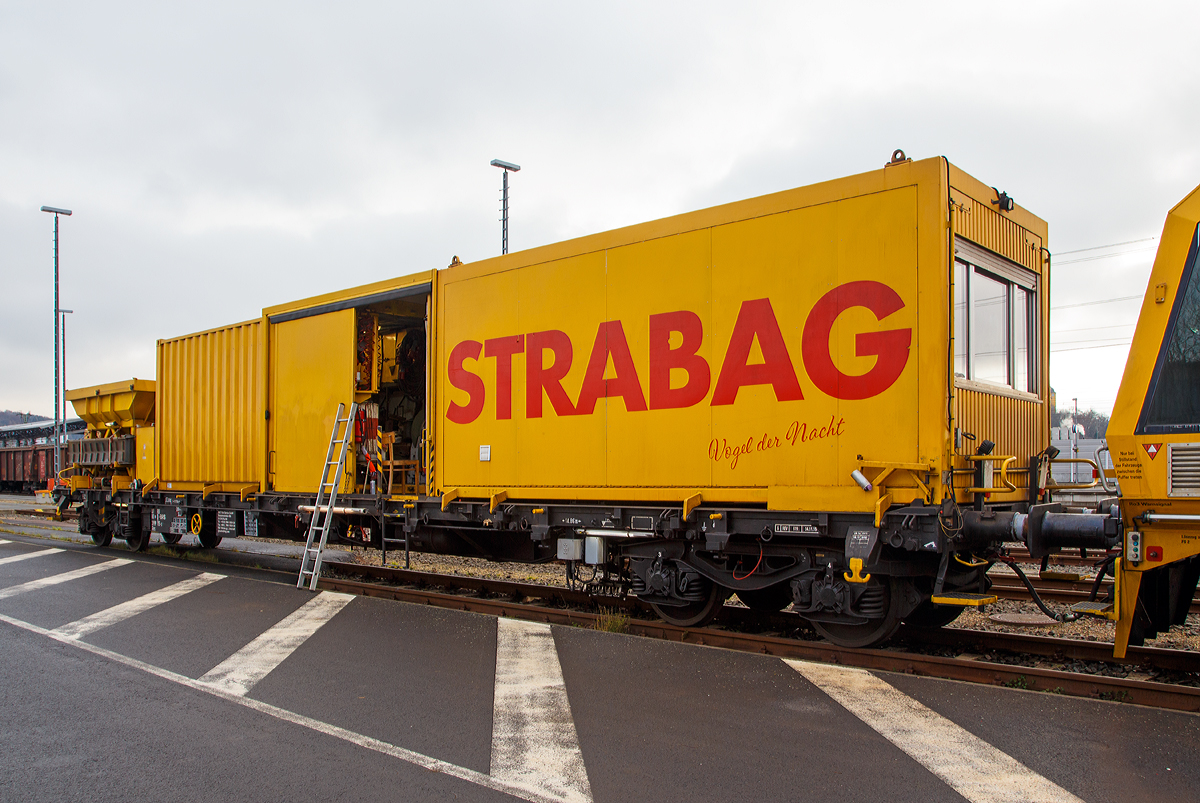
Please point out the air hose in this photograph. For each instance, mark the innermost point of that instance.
(1058, 617)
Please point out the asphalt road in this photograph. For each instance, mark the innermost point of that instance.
(154, 679)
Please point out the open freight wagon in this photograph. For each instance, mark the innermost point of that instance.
(799, 397)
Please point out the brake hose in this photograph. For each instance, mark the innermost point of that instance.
(1102, 568)
(1058, 617)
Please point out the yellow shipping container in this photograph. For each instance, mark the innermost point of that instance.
(211, 409)
(754, 353)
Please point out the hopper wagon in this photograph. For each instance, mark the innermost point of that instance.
(833, 398)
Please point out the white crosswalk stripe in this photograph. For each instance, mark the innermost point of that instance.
(975, 769)
(119, 613)
(28, 555)
(65, 577)
(534, 742)
(238, 673)
(5, 541)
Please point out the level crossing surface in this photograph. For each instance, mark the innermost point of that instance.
(130, 677)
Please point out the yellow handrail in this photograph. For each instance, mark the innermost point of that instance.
(1050, 482)
(1007, 486)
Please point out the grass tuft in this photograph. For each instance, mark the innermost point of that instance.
(200, 556)
(611, 621)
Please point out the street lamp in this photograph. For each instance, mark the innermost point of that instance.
(57, 445)
(507, 167)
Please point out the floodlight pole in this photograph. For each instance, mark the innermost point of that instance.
(57, 334)
(506, 167)
(63, 313)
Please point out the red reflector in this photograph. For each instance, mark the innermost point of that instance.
(1153, 553)
(1095, 474)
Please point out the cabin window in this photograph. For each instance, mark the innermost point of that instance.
(1173, 403)
(994, 325)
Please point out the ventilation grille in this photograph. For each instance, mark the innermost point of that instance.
(1183, 469)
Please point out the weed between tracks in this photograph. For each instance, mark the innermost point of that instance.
(187, 554)
(611, 621)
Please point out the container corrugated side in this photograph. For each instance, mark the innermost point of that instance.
(211, 406)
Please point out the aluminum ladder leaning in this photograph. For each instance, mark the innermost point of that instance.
(322, 517)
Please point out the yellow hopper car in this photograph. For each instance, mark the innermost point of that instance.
(834, 398)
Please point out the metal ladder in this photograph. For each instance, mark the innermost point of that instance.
(318, 525)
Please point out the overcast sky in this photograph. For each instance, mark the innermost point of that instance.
(222, 157)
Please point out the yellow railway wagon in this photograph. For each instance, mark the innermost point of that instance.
(834, 397)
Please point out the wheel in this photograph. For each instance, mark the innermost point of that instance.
(929, 615)
(874, 631)
(694, 614)
(171, 538)
(138, 540)
(204, 531)
(101, 536)
(768, 600)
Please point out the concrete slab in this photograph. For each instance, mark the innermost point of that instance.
(80, 727)
(673, 722)
(192, 634)
(36, 568)
(1098, 750)
(51, 607)
(414, 676)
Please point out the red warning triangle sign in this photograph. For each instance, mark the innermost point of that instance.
(1152, 449)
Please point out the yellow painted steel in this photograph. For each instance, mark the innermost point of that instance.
(352, 294)
(145, 468)
(791, 442)
(312, 371)
(1141, 460)
(1017, 422)
(116, 405)
(211, 406)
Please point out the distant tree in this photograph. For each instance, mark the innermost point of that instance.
(1094, 424)
(8, 417)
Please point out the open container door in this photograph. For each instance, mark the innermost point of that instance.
(312, 371)
(365, 345)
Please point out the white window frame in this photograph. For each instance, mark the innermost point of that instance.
(980, 261)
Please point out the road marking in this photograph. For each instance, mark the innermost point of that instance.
(282, 714)
(534, 744)
(972, 767)
(34, 585)
(238, 673)
(28, 555)
(5, 541)
(119, 613)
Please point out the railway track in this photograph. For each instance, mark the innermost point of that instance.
(1004, 585)
(1068, 592)
(993, 658)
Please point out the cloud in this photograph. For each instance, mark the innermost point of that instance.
(229, 156)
